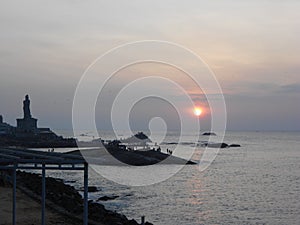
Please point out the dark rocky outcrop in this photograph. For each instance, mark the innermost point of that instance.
(234, 146)
(216, 145)
(140, 137)
(135, 158)
(220, 145)
(60, 195)
(92, 189)
(209, 134)
(106, 198)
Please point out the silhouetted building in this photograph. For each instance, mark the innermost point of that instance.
(5, 129)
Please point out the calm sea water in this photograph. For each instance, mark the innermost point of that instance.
(258, 183)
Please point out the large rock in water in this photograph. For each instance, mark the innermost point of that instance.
(217, 145)
(234, 145)
(140, 138)
(91, 189)
(106, 198)
(209, 134)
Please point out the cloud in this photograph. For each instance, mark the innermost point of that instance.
(290, 88)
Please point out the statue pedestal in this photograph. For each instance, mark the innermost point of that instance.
(28, 125)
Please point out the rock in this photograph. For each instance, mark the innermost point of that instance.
(131, 222)
(106, 198)
(92, 189)
(209, 134)
(68, 198)
(216, 145)
(234, 145)
(128, 195)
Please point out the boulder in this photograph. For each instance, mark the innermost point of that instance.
(209, 134)
(234, 145)
(106, 198)
(92, 189)
(216, 145)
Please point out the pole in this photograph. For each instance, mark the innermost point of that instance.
(14, 194)
(85, 181)
(143, 220)
(43, 193)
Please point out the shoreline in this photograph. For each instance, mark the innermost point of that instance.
(28, 210)
(64, 204)
(119, 157)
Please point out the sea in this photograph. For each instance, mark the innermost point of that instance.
(257, 183)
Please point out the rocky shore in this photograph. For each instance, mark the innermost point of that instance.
(67, 201)
(112, 156)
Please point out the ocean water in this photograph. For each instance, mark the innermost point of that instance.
(258, 183)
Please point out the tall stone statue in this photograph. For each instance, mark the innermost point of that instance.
(26, 108)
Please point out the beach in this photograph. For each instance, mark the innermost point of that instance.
(28, 210)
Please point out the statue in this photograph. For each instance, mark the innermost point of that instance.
(26, 107)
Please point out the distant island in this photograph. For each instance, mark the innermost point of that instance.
(209, 134)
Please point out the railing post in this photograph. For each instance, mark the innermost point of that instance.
(85, 195)
(14, 195)
(143, 220)
(43, 193)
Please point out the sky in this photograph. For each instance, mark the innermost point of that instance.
(252, 47)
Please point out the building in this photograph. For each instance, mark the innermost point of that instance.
(5, 129)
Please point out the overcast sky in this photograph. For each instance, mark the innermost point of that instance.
(251, 45)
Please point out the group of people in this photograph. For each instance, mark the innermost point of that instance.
(169, 151)
(51, 150)
(159, 150)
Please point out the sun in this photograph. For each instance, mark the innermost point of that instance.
(197, 111)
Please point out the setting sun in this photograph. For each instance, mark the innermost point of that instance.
(197, 111)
